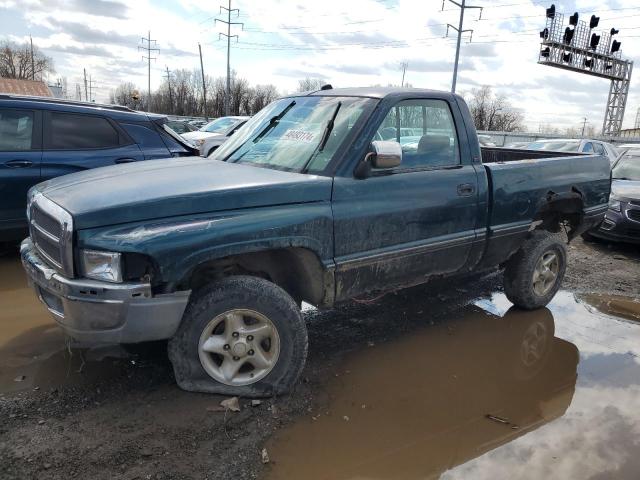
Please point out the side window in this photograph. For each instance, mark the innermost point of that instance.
(599, 149)
(588, 147)
(426, 132)
(68, 131)
(16, 130)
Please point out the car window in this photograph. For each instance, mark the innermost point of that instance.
(69, 131)
(426, 132)
(219, 125)
(16, 130)
(599, 149)
(588, 147)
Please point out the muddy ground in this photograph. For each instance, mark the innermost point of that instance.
(112, 413)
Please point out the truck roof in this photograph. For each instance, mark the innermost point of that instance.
(377, 92)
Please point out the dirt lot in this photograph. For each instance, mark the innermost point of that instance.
(111, 413)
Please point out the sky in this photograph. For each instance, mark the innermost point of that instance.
(348, 43)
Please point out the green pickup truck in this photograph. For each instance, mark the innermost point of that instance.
(321, 197)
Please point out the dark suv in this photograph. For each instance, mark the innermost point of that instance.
(41, 138)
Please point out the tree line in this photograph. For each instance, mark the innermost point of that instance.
(182, 93)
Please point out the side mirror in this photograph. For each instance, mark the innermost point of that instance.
(386, 154)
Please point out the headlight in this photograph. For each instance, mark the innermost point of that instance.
(199, 142)
(614, 205)
(105, 266)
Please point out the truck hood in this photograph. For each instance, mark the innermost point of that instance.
(182, 186)
(625, 189)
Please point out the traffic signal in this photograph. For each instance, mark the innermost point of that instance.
(594, 22)
(567, 57)
(568, 35)
(595, 40)
(545, 53)
(615, 46)
(588, 62)
(551, 11)
(544, 34)
(573, 19)
(614, 32)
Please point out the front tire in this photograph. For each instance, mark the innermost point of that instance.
(241, 336)
(534, 274)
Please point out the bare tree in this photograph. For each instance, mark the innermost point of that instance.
(186, 96)
(15, 61)
(309, 83)
(491, 112)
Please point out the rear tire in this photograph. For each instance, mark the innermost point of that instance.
(241, 336)
(533, 275)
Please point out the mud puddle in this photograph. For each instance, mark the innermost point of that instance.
(492, 392)
(34, 353)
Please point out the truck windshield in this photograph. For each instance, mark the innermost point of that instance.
(628, 168)
(299, 134)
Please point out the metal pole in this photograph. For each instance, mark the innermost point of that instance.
(85, 85)
(33, 67)
(204, 86)
(455, 65)
(149, 75)
(169, 85)
(228, 92)
(584, 124)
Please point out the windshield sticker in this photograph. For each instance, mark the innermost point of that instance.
(298, 136)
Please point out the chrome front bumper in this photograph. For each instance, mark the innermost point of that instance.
(100, 312)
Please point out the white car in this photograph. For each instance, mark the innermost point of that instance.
(222, 127)
(579, 145)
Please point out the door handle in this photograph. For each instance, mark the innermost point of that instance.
(125, 160)
(18, 163)
(466, 189)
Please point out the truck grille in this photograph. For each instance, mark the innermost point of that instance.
(50, 229)
(634, 215)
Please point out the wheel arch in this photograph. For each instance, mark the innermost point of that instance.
(557, 209)
(296, 269)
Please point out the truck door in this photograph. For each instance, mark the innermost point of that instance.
(74, 142)
(20, 154)
(400, 225)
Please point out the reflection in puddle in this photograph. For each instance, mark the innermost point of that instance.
(33, 350)
(616, 305)
(489, 394)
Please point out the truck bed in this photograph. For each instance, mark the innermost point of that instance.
(503, 155)
(522, 184)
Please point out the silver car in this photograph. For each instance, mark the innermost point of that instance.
(214, 133)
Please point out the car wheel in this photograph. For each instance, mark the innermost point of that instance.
(241, 336)
(534, 274)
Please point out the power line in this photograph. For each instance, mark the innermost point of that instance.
(228, 23)
(148, 48)
(460, 31)
(168, 77)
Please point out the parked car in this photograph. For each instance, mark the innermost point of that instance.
(181, 126)
(486, 141)
(303, 204)
(42, 138)
(622, 220)
(220, 128)
(628, 148)
(212, 142)
(582, 145)
(517, 145)
(198, 123)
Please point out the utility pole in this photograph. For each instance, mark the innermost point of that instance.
(204, 85)
(148, 48)
(168, 76)
(460, 31)
(584, 125)
(228, 22)
(91, 82)
(404, 66)
(33, 64)
(85, 85)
